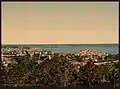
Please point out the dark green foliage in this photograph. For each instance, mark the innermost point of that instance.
(58, 72)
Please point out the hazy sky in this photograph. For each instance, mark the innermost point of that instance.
(75, 23)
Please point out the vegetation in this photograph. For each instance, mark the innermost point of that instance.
(58, 72)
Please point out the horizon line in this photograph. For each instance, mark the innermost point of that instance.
(53, 43)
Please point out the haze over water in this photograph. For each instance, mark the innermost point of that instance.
(84, 25)
(60, 23)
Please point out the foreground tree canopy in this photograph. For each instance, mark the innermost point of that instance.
(58, 72)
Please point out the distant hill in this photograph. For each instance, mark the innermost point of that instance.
(15, 46)
(11, 46)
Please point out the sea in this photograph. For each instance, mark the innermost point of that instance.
(107, 48)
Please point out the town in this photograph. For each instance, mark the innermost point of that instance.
(82, 56)
(27, 56)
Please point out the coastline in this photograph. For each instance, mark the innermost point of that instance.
(108, 48)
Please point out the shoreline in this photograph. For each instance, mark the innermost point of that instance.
(68, 48)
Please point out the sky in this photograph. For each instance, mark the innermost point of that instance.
(59, 23)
